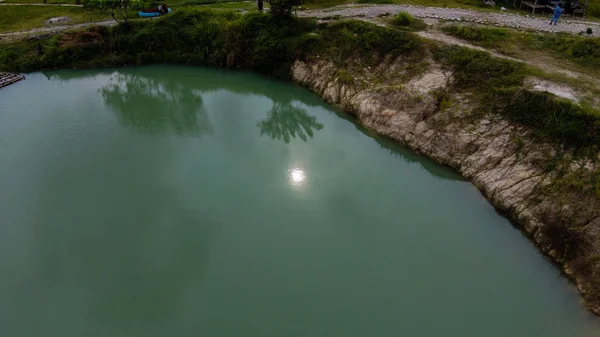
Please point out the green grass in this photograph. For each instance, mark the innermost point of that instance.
(18, 18)
(403, 19)
(555, 119)
(41, 1)
(584, 51)
(580, 50)
(407, 22)
(485, 37)
(478, 70)
(194, 36)
(345, 40)
(594, 9)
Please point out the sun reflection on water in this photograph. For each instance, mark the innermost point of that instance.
(296, 176)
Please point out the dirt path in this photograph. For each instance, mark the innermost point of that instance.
(537, 23)
(53, 29)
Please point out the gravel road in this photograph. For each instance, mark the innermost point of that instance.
(539, 23)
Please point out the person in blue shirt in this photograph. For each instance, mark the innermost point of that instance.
(558, 10)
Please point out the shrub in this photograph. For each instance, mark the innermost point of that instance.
(554, 119)
(283, 8)
(475, 69)
(375, 1)
(120, 10)
(594, 9)
(586, 49)
(582, 50)
(403, 19)
(568, 243)
(596, 178)
(207, 37)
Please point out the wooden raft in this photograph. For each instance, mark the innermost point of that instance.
(8, 78)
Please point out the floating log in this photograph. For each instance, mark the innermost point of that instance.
(8, 78)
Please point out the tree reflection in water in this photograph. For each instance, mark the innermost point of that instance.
(156, 106)
(286, 121)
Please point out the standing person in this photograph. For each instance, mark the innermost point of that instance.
(557, 12)
(260, 4)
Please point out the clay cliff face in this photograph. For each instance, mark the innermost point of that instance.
(500, 158)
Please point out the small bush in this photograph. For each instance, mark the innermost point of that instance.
(403, 19)
(594, 9)
(120, 10)
(283, 8)
(443, 100)
(206, 2)
(596, 178)
(589, 31)
(568, 243)
(375, 1)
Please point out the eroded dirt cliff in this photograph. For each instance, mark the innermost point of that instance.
(501, 158)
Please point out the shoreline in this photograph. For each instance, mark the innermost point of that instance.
(510, 194)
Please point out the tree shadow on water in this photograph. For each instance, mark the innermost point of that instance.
(285, 121)
(156, 106)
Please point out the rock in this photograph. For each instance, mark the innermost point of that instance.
(58, 19)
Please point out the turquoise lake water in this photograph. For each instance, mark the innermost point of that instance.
(178, 201)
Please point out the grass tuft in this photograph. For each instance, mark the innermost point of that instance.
(403, 19)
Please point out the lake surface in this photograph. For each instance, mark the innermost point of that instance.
(174, 201)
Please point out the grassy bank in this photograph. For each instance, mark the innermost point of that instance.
(581, 50)
(206, 37)
(498, 85)
(41, 1)
(17, 18)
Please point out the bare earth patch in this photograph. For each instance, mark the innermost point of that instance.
(559, 90)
